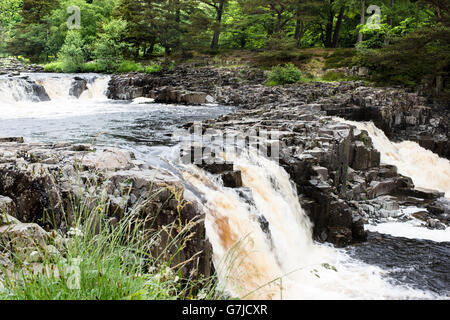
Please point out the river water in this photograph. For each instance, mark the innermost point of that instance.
(280, 260)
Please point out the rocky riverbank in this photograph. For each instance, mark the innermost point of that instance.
(401, 114)
(40, 182)
(13, 67)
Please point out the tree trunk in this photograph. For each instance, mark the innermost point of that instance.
(329, 29)
(391, 4)
(216, 36)
(363, 19)
(298, 32)
(337, 28)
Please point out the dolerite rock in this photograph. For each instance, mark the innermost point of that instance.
(77, 87)
(335, 168)
(232, 179)
(12, 139)
(364, 157)
(46, 178)
(39, 92)
(180, 96)
(7, 207)
(402, 115)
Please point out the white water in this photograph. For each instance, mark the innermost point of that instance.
(287, 264)
(425, 168)
(17, 101)
(412, 229)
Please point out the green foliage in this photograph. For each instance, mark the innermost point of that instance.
(340, 58)
(333, 76)
(93, 66)
(121, 261)
(130, 66)
(280, 75)
(54, 67)
(109, 46)
(71, 54)
(153, 68)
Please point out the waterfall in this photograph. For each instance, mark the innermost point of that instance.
(425, 168)
(53, 87)
(14, 90)
(43, 95)
(263, 246)
(58, 87)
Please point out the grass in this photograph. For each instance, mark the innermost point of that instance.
(101, 260)
(126, 66)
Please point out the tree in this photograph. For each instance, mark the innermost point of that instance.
(29, 36)
(110, 44)
(219, 7)
(71, 54)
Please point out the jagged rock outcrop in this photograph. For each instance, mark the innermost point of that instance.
(401, 114)
(77, 87)
(14, 66)
(334, 166)
(38, 183)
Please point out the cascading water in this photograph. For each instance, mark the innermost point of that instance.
(15, 90)
(262, 241)
(425, 168)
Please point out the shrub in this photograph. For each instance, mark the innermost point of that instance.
(333, 76)
(284, 75)
(110, 45)
(130, 66)
(71, 54)
(153, 68)
(93, 66)
(53, 67)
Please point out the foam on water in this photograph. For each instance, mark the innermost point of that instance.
(263, 246)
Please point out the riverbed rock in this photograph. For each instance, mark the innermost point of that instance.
(401, 114)
(38, 186)
(77, 87)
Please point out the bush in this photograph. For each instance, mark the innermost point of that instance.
(333, 76)
(71, 54)
(153, 68)
(95, 67)
(130, 66)
(53, 67)
(284, 75)
(110, 45)
(343, 57)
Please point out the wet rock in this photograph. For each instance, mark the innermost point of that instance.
(435, 224)
(216, 167)
(421, 215)
(12, 139)
(77, 87)
(340, 237)
(358, 232)
(232, 179)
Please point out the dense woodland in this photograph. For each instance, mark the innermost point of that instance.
(410, 46)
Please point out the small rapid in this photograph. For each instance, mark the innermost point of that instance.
(425, 168)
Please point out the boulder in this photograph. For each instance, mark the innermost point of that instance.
(232, 179)
(77, 87)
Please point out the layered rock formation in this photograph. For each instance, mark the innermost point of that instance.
(402, 115)
(40, 182)
(336, 170)
(15, 67)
